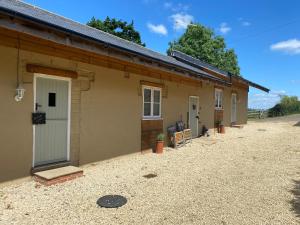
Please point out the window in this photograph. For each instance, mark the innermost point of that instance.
(151, 102)
(52, 99)
(218, 98)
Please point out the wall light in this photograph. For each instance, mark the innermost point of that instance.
(19, 93)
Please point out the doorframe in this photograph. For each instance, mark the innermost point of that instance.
(234, 94)
(36, 75)
(197, 97)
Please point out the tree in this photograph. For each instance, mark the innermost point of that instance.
(202, 43)
(288, 105)
(118, 28)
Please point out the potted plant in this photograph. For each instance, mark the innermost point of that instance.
(220, 127)
(160, 143)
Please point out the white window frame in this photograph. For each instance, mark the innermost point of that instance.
(218, 99)
(152, 89)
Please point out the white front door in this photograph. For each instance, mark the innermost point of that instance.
(193, 115)
(51, 139)
(233, 108)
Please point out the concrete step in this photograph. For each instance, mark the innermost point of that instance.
(59, 175)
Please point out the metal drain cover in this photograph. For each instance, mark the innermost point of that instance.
(112, 201)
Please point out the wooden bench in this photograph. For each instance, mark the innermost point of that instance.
(178, 139)
(187, 135)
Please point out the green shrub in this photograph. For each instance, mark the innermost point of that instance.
(288, 105)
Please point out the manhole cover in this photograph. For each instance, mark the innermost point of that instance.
(150, 175)
(112, 201)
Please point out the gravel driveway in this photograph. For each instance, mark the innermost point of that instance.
(247, 176)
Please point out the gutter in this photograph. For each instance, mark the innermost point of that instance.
(188, 60)
(108, 45)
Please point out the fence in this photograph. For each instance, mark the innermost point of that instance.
(257, 114)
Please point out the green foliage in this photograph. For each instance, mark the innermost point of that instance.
(202, 43)
(288, 105)
(160, 137)
(118, 28)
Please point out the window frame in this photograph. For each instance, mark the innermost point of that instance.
(152, 89)
(218, 99)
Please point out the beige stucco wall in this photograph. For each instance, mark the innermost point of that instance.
(106, 111)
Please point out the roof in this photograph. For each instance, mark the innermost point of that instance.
(26, 11)
(200, 64)
(196, 62)
(31, 13)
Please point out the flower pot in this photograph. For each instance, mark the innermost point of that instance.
(222, 129)
(159, 147)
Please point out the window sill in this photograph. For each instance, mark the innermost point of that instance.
(219, 109)
(152, 118)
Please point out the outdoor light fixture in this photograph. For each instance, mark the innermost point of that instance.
(19, 93)
(19, 90)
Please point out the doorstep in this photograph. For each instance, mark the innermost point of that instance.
(59, 175)
(50, 166)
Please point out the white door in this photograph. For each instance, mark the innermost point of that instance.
(193, 115)
(233, 108)
(51, 140)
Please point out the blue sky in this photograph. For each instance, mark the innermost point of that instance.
(264, 34)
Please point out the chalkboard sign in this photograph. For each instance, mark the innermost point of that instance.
(38, 118)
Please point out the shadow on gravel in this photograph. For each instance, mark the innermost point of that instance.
(297, 124)
(296, 201)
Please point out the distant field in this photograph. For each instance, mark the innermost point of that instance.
(293, 119)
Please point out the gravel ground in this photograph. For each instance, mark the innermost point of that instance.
(247, 176)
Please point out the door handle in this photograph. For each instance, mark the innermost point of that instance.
(37, 106)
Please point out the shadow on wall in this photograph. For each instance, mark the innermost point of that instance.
(296, 201)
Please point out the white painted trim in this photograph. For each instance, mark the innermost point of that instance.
(152, 100)
(220, 100)
(197, 97)
(69, 110)
(234, 94)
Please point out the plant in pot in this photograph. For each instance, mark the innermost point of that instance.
(220, 127)
(160, 143)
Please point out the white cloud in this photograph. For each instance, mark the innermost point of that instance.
(295, 81)
(168, 5)
(265, 100)
(291, 46)
(179, 7)
(181, 20)
(243, 22)
(224, 28)
(246, 24)
(159, 29)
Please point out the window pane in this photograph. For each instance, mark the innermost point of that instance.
(147, 109)
(156, 96)
(216, 98)
(147, 95)
(156, 109)
(51, 99)
(221, 99)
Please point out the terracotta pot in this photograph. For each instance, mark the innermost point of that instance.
(159, 147)
(222, 129)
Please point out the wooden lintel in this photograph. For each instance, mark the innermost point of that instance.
(31, 68)
(148, 83)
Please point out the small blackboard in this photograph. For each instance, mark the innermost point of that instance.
(38, 118)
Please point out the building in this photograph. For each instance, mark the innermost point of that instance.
(91, 96)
